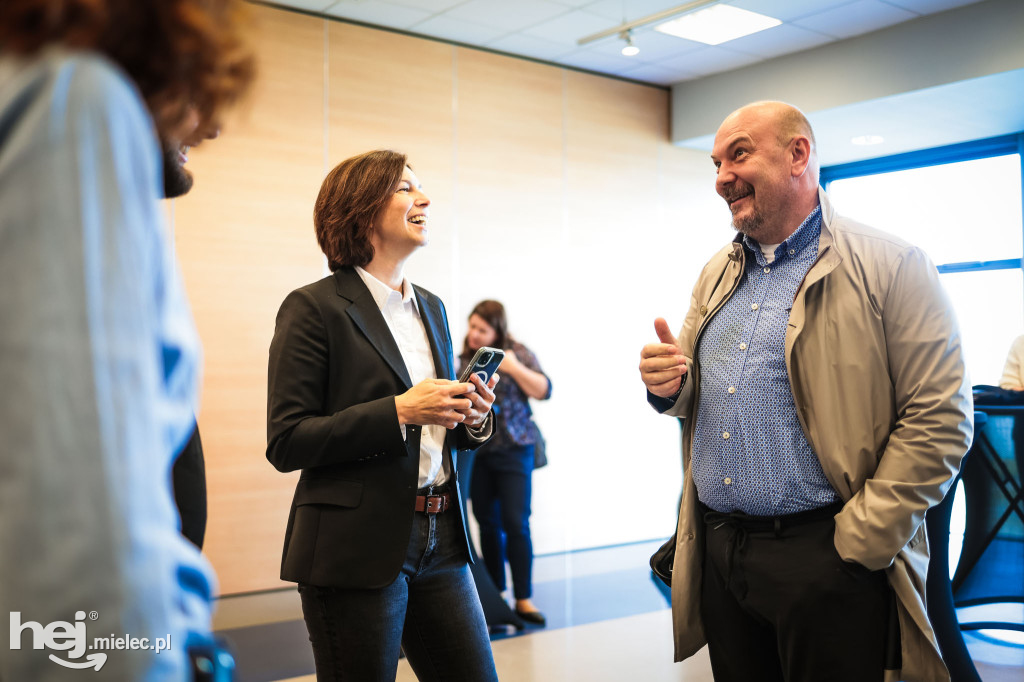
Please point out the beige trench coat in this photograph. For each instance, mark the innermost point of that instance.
(877, 373)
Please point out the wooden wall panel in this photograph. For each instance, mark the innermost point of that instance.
(510, 176)
(396, 92)
(245, 239)
(615, 132)
(615, 136)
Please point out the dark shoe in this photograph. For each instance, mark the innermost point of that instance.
(532, 617)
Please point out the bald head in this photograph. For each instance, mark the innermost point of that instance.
(786, 122)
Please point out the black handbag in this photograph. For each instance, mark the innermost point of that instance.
(662, 560)
(540, 447)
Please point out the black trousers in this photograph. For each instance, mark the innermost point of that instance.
(501, 489)
(779, 604)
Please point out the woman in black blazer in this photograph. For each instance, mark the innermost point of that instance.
(361, 400)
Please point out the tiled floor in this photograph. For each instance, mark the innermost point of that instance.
(637, 648)
(607, 620)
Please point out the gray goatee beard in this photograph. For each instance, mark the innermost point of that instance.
(752, 225)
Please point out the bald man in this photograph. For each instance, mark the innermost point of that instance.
(827, 407)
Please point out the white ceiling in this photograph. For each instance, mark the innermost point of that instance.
(549, 29)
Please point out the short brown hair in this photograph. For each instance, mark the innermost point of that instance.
(351, 197)
(179, 53)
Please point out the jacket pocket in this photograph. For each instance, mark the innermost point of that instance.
(332, 491)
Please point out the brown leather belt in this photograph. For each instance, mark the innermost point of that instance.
(433, 504)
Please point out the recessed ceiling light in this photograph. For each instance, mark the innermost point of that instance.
(865, 140)
(718, 24)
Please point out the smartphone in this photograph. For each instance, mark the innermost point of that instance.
(212, 662)
(484, 363)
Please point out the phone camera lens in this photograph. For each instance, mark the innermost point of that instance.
(486, 357)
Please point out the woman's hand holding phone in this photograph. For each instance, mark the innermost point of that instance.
(481, 372)
(435, 401)
(481, 399)
(447, 403)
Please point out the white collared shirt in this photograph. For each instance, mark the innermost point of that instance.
(402, 315)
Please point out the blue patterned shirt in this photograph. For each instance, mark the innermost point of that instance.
(749, 451)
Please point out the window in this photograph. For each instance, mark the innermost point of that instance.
(962, 205)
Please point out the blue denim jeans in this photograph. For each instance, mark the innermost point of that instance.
(431, 610)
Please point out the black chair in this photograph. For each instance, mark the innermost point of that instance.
(991, 568)
(941, 609)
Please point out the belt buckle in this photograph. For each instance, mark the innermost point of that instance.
(434, 504)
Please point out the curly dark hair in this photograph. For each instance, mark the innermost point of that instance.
(179, 53)
(351, 197)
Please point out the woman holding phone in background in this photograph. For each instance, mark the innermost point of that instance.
(361, 400)
(500, 485)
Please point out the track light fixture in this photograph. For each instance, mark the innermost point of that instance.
(625, 26)
(629, 49)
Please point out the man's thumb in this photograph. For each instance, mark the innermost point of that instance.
(664, 334)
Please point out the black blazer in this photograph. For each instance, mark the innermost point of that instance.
(335, 370)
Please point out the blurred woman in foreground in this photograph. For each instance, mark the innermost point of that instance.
(98, 354)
